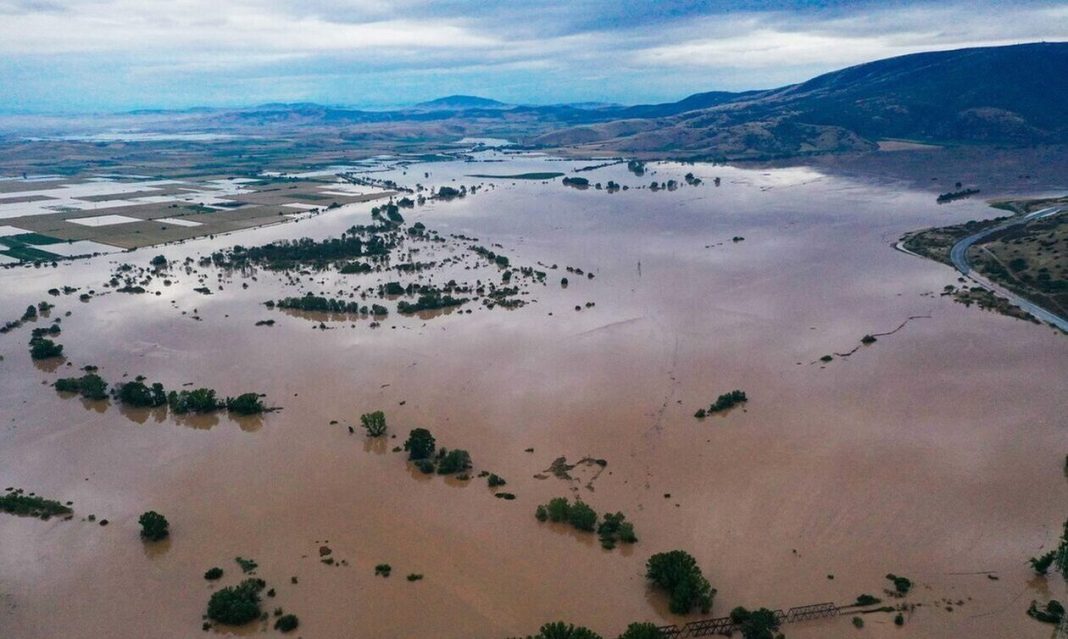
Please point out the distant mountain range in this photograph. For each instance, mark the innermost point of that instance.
(1015, 95)
(1012, 95)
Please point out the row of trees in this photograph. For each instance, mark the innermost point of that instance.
(612, 529)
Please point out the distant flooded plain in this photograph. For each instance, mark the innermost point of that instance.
(936, 452)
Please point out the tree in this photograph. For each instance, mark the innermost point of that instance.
(154, 526)
(43, 348)
(374, 423)
(136, 393)
(757, 624)
(678, 573)
(236, 605)
(159, 261)
(582, 516)
(201, 400)
(561, 630)
(454, 461)
(643, 630)
(213, 573)
(420, 444)
(287, 623)
(1042, 563)
(558, 509)
(245, 404)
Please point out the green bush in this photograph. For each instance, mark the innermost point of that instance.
(558, 509)
(1040, 564)
(541, 514)
(236, 605)
(454, 461)
(678, 573)
(561, 630)
(43, 348)
(901, 584)
(90, 386)
(154, 526)
(383, 569)
(374, 423)
(286, 623)
(420, 444)
(245, 404)
(757, 624)
(137, 394)
(582, 517)
(201, 400)
(213, 573)
(1052, 613)
(643, 630)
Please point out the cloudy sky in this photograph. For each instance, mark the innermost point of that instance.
(106, 55)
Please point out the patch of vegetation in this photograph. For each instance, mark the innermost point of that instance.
(374, 423)
(901, 584)
(546, 175)
(643, 630)
(677, 572)
(213, 573)
(1052, 612)
(1042, 563)
(236, 605)
(17, 502)
(494, 480)
(286, 623)
(420, 444)
(319, 304)
(453, 461)
(576, 182)
(727, 401)
(383, 570)
(200, 400)
(956, 195)
(44, 348)
(245, 404)
(561, 630)
(867, 600)
(138, 394)
(415, 577)
(755, 624)
(430, 300)
(154, 526)
(247, 565)
(89, 386)
(612, 529)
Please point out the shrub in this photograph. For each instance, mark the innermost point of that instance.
(425, 466)
(286, 623)
(201, 400)
(541, 514)
(558, 509)
(43, 348)
(899, 619)
(374, 423)
(17, 503)
(245, 404)
(643, 630)
(867, 600)
(1052, 613)
(494, 481)
(757, 624)
(1040, 564)
(90, 386)
(213, 573)
(561, 630)
(901, 584)
(415, 577)
(383, 569)
(582, 517)
(858, 622)
(154, 526)
(236, 605)
(454, 461)
(678, 573)
(247, 565)
(136, 393)
(420, 444)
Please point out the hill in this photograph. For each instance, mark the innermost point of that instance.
(1001, 95)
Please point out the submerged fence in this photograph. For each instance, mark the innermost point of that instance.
(724, 625)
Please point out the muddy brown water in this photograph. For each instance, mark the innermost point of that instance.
(936, 453)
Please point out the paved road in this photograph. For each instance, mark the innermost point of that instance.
(958, 255)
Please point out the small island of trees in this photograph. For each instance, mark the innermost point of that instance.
(723, 403)
(582, 517)
(154, 526)
(677, 572)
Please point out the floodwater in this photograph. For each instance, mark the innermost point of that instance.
(936, 453)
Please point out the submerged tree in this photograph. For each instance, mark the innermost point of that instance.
(374, 423)
(678, 573)
(154, 526)
(420, 444)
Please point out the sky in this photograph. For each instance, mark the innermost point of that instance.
(116, 55)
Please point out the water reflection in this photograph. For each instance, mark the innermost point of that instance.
(156, 549)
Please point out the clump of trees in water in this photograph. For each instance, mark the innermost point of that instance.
(612, 529)
(44, 348)
(755, 624)
(89, 386)
(677, 572)
(200, 400)
(237, 605)
(564, 630)
(430, 300)
(956, 195)
(902, 585)
(16, 502)
(577, 182)
(1058, 555)
(140, 395)
(423, 452)
(724, 402)
(154, 526)
(1052, 612)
